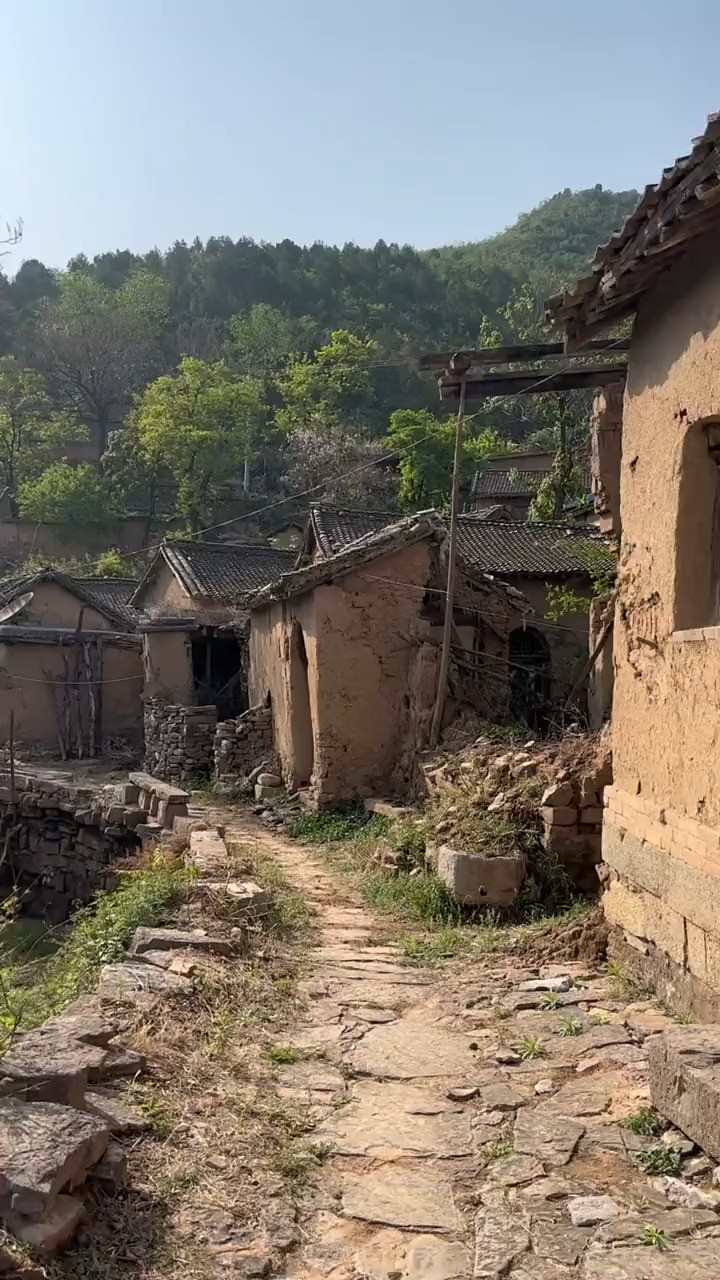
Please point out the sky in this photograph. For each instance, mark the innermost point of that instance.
(134, 123)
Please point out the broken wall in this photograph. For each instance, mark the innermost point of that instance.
(661, 834)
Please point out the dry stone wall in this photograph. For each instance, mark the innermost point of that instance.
(178, 740)
(243, 744)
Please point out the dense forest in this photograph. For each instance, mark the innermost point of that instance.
(272, 366)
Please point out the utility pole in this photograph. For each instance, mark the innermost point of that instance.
(450, 590)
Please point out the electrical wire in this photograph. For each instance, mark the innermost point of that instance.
(304, 493)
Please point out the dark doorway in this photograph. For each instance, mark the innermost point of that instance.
(219, 673)
(530, 678)
(301, 715)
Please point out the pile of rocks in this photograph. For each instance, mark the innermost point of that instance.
(61, 1113)
(242, 744)
(554, 788)
(178, 740)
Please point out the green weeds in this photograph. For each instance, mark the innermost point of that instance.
(645, 1121)
(660, 1160)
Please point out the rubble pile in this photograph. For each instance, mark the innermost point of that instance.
(490, 803)
(63, 1113)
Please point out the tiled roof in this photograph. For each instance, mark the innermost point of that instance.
(507, 484)
(228, 572)
(670, 215)
(112, 594)
(514, 549)
(335, 528)
(109, 596)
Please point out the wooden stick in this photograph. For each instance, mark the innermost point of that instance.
(449, 594)
(11, 744)
(92, 712)
(601, 642)
(56, 711)
(75, 687)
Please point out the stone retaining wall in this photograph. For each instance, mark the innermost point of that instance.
(243, 744)
(178, 740)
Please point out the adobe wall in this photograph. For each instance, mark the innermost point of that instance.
(358, 635)
(661, 835)
(53, 606)
(167, 665)
(21, 538)
(24, 668)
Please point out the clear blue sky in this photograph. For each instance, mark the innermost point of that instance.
(132, 123)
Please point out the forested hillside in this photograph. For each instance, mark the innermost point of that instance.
(295, 360)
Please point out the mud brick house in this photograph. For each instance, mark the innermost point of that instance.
(193, 602)
(70, 663)
(532, 558)
(510, 481)
(661, 830)
(345, 651)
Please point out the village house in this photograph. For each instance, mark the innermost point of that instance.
(194, 619)
(509, 481)
(345, 650)
(661, 830)
(535, 559)
(70, 664)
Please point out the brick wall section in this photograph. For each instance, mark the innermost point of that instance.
(242, 744)
(573, 829)
(178, 740)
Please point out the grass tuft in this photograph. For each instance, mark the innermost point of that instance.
(532, 1047)
(645, 1121)
(334, 826)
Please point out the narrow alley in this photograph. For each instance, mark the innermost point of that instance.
(486, 1119)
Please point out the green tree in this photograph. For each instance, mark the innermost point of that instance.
(332, 387)
(98, 346)
(31, 433)
(200, 423)
(260, 342)
(426, 446)
(64, 494)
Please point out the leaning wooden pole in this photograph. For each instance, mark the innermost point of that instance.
(450, 589)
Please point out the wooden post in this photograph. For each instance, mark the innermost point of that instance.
(450, 591)
(11, 744)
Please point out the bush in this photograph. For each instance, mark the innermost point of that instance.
(65, 495)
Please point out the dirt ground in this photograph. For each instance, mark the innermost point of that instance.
(396, 1122)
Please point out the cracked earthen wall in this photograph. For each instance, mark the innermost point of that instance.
(661, 835)
(359, 637)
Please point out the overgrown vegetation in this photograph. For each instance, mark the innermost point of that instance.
(660, 1160)
(312, 340)
(334, 826)
(99, 935)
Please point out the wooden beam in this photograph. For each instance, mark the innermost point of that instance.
(524, 382)
(438, 362)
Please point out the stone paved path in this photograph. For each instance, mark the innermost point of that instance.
(451, 1157)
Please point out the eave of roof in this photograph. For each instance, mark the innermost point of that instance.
(81, 589)
(404, 532)
(682, 206)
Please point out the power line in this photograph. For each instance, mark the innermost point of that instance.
(387, 457)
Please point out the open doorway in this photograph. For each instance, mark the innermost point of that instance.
(530, 678)
(219, 677)
(300, 714)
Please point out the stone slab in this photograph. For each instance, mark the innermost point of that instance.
(146, 939)
(45, 1148)
(402, 1197)
(390, 1252)
(694, 1260)
(387, 1117)
(52, 1233)
(550, 1138)
(500, 1240)
(407, 1050)
(117, 1113)
(474, 880)
(133, 976)
(685, 1082)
